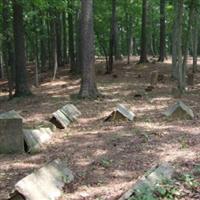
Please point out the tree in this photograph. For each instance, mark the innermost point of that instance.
(162, 31)
(143, 52)
(71, 36)
(177, 57)
(112, 42)
(88, 85)
(21, 88)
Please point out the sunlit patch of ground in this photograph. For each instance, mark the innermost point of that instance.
(106, 157)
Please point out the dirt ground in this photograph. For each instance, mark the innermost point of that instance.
(106, 157)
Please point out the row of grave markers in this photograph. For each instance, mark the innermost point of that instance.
(50, 179)
(35, 138)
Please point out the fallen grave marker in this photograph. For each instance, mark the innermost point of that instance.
(121, 113)
(64, 116)
(11, 135)
(156, 175)
(179, 110)
(35, 138)
(44, 184)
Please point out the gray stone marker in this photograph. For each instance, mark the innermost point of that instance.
(60, 120)
(64, 116)
(71, 112)
(156, 175)
(11, 115)
(154, 78)
(121, 113)
(11, 135)
(46, 183)
(36, 138)
(179, 110)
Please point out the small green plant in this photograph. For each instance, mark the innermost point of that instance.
(105, 162)
(189, 180)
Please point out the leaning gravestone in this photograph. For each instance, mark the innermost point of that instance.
(46, 183)
(179, 111)
(64, 116)
(11, 135)
(156, 175)
(154, 78)
(35, 139)
(121, 113)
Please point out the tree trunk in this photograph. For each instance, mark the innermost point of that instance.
(143, 53)
(174, 43)
(65, 58)
(112, 38)
(54, 44)
(71, 36)
(181, 72)
(88, 85)
(162, 32)
(59, 39)
(188, 34)
(195, 40)
(21, 88)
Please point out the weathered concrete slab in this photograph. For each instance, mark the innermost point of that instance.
(71, 112)
(36, 138)
(46, 183)
(11, 135)
(125, 112)
(156, 175)
(179, 110)
(64, 116)
(11, 115)
(121, 113)
(60, 120)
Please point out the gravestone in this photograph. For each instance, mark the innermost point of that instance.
(64, 116)
(36, 138)
(44, 184)
(154, 78)
(60, 120)
(11, 135)
(154, 176)
(71, 112)
(179, 111)
(121, 113)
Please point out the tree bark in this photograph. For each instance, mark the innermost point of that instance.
(88, 85)
(112, 42)
(162, 31)
(21, 88)
(71, 36)
(143, 53)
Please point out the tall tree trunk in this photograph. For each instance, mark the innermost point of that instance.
(71, 36)
(187, 39)
(78, 43)
(174, 43)
(55, 56)
(88, 85)
(7, 46)
(162, 31)
(181, 72)
(21, 88)
(59, 39)
(143, 53)
(65, 58)
(195, 39)
(112, 42)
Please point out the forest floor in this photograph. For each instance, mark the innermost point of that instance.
(106, 157)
